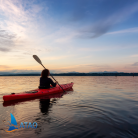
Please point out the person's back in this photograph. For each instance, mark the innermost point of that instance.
(45, 81)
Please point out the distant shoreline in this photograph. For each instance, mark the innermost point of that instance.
(78, 74)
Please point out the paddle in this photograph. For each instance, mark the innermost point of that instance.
(39, 61)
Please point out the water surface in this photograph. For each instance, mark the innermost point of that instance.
(98, 107)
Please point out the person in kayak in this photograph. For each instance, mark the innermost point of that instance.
(45, 81)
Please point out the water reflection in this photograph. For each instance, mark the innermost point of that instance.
(45, 118)
(44, 105)
(99, 107)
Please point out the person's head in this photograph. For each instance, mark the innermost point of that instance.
(45, 73)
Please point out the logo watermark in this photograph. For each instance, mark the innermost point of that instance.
(14, 126)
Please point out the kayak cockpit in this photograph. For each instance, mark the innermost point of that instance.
(30, 91)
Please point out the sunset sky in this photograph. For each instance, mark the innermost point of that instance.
(69, 35)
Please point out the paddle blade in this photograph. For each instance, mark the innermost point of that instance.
(37, 59)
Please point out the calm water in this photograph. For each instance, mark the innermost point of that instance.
(98, 107)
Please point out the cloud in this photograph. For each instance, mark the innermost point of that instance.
(130, 30)
(18, 23)
(94, 65)
(6, 35)
(104, 24)
(6, 40)
(57, 57)
(93, 28)
(135, 64)
(4, 66)
(134, 56)
(4, 49)
(88, 67)
(20, 11)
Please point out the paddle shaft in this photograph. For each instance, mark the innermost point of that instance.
(53, 78)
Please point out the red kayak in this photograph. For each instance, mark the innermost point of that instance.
(37, 92)
(44, 97)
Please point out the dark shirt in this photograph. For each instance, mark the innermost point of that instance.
(45, 83)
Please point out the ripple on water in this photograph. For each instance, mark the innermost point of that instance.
(98, 107)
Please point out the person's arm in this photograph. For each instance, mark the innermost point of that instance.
(52, 83)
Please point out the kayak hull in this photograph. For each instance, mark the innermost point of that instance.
(20, 101)
(37, 92)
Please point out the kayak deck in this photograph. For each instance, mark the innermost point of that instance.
(44, 97)
(37, 92)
